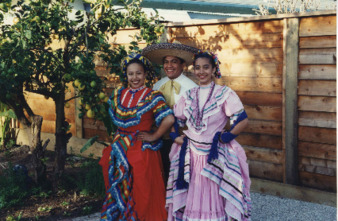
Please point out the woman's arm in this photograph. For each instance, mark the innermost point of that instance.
(240, 127)
(226, 137)
(165, 125)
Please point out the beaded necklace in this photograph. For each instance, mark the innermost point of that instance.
(199, 114)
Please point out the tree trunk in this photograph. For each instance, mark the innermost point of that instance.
(61, 139)
(38, 149)
(29, 120)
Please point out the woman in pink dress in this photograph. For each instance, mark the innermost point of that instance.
(209, 176)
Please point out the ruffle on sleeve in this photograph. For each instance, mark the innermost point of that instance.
(160, 108)
(179, 111)
(233, 104)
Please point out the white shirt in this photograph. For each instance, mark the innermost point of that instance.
(185, 82)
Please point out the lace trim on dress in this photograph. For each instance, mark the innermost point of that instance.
(126, 117)
(220, 94)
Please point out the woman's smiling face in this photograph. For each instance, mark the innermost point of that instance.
(136, 75)
(204, 71)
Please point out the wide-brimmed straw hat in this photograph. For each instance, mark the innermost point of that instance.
(156, 52)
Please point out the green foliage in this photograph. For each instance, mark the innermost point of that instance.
(87, 210)
(88, 181)
(13, 218)
(44, 52)
(6, 134)
(13, 188)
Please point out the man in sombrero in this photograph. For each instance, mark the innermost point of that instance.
(174, 57)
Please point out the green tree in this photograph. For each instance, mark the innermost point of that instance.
(44, 52)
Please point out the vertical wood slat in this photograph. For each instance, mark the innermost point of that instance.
(290, 72)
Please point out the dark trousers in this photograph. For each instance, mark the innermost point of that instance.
(165, 150)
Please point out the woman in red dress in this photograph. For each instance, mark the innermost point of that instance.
(132, 163)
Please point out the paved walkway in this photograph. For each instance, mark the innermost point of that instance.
(273, 208)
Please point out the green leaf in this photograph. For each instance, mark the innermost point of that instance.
(111, 128)
(9, 113)
(89, 143)
(28, 34)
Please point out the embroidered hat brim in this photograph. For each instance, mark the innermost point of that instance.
(156, 52)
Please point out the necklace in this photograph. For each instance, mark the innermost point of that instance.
(199, 114)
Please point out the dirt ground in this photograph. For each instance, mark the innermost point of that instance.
(60, 205)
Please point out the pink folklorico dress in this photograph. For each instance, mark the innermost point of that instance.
(219, 190)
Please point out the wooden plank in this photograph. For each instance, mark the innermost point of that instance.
(290, 46)
(259, 98)
(318, 170)
(123, 36)
(256, 27)
(265, 170)
(89, 133)
(318, 181)
(49, 127)
(258, 112)
(317, 56)
(233, 41)
(318, 103)
(273, 85)
(317, 87)
(317, 26)
(317, 135)
(318, 72)
(264, 127)
(93, 124)
(317, 150)
(317, 162)
(260, 140)
(293, 192)
(249, 55)
(318, 42)
(264, 154)
(317, 119)
(252, 69)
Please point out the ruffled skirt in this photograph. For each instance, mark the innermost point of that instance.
(217, 191)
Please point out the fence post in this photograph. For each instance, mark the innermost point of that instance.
(290, 108)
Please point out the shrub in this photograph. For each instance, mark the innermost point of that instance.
(88, 180)
(14, 187)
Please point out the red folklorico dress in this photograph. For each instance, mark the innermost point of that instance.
(131, 168)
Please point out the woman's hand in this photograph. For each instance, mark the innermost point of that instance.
(179, 140)
(146, 136)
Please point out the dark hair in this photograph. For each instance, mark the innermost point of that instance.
(205, 55)
(137, 61)
(180, 59)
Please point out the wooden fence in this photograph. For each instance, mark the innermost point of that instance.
(284, 70)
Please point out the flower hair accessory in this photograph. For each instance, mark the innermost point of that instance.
(214, 58)
(151, 74)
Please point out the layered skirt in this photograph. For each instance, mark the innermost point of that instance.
(217, 191)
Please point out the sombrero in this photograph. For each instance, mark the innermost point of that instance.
(156, 52)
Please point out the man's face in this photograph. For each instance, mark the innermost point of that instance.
(172, 66)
